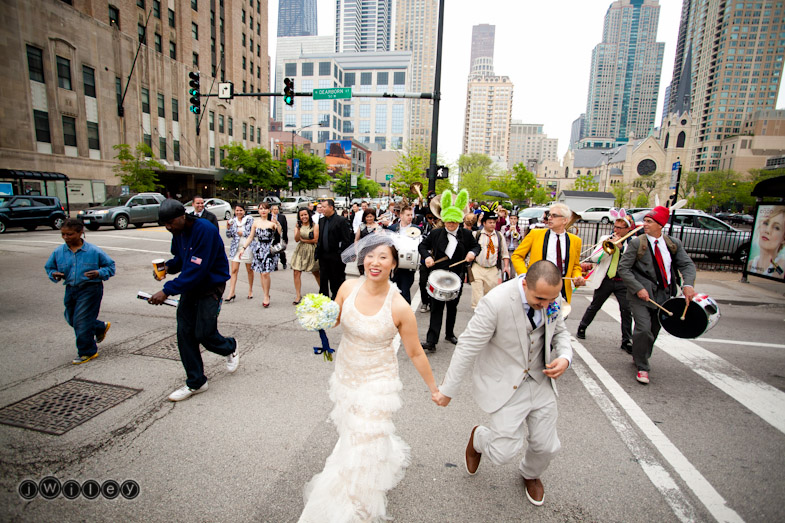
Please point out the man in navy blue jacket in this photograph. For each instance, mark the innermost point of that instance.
(200, 258)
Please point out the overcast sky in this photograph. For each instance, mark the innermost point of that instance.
(543, 46)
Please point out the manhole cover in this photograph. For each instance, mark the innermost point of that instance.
(63, 407)
(165, 348)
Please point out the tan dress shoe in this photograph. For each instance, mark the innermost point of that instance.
(472, 456)
(535, 491)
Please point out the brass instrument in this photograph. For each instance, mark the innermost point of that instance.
(570, 224)
(610, 246)
(416, 187)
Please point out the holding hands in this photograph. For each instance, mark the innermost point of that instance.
(440, 399)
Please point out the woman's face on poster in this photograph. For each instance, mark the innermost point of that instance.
(772, 232)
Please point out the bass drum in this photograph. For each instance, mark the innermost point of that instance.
(443, 285)
(702, 314)
(408, 255)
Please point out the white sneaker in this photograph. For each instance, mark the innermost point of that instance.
(185, 392)
(232, 361)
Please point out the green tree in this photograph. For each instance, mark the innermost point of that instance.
(411, 167)
(137, 169)
(720, 190)
(476, 183)
(540, 196)
(647, 185)
(312, 171)
(623, 193)
(364, 187)
(251, 168)
(476, 162)
(642, 200)
(585, 182)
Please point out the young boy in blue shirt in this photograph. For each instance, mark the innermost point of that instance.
(82, 267)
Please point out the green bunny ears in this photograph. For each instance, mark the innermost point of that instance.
(454, 212)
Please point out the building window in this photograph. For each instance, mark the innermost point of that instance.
(324, 68)
(243, 16)
(63, 73)
(307, 68)
(231, 127)
(196, 60)
(252, 133)
(212, 155)
(148, 140)
(42, 134)
(157, 9)
(221, 156)
(88, 78)
(35, 64)
(175, 110)
(399, 78)
(69, 131)
(211, 120)
(290, 69)
(194, 6)
(171, 18)
(162, 147)
(366, 78)
(173, 50)
(118, 87)
(158, 45)
(145, 100)
(382, 79)
(348, 79)
(114, 16)
(245, 131)
(140, 3)
(161, 109)
(397, 119)
(176, 150)
(220, 123)
(259, 134)
(244, 64)
(195, 31)
(381, 119)
(141, 32)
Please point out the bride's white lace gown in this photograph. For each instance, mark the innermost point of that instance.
(369, 459)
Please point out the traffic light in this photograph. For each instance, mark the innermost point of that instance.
(442, 172)
(194, 92)
(288, 91)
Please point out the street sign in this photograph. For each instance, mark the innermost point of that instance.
(225, 90)
(388, 177)
(674, 175)
(296, 162)
(354, 181)
(332, 93)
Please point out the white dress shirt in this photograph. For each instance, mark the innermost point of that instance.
(551, 257)
(666, 255)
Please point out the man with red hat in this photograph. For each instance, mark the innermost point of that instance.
(651, 268)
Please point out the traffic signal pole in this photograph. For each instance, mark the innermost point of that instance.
(437, 84)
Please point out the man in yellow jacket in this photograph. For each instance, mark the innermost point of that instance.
(554, 244)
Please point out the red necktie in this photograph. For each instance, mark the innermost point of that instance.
(559, 262)
(661, 263)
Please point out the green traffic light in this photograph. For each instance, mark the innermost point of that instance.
(193, 92)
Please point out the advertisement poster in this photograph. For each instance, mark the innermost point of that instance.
(767, 252)
(338, 155)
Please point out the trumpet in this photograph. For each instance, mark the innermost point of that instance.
(416, 187)
(610, 246)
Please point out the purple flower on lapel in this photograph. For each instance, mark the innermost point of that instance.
(552, 311)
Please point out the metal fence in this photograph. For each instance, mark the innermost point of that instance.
(711, 250)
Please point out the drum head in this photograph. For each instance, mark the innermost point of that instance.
(445, 280)
(694, 324)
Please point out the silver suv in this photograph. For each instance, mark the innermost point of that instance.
(136, 209)
(704, 234)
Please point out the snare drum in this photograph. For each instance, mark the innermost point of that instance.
(408, 255)
(702, 314)
(443, 285)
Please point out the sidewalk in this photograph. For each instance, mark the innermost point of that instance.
(727, 288)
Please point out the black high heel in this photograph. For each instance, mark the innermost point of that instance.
(230, 300)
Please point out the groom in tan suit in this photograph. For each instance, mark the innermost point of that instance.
(514, 369)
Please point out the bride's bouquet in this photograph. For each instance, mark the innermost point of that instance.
(317, 312)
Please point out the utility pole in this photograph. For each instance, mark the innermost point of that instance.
(437, 95)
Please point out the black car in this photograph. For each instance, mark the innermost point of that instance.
(30, 212)
(744, 219)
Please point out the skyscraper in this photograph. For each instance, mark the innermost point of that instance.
(297, 18)
(625, 75)
(486, 127)
(729, 62)
(483, 36)
(415, 30)
(362, 25)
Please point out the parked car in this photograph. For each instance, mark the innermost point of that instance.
(30, 212)
(341, 202)
(532, 213)
(724, 216)
(136, 209)
(704, 234)
(294, 203)
(744, 219)
(253, 208)
(596, 214)
(220, 208)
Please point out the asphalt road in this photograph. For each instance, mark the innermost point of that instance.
(704, 441)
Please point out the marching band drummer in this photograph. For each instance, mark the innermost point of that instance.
(404, 278)
(457, 244)
(650, 268)
(605, 280)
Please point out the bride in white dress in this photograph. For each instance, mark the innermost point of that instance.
(368, 459)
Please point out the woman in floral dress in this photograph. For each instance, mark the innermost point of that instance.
(262, 235)
(237, 229)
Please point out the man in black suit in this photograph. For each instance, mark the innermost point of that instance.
(280, 218)
(457, 244)
(201, 212)
(335, 235)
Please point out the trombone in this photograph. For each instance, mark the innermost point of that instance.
(610, 246)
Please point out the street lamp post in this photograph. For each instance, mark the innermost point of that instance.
(630, 204)
(297, 130)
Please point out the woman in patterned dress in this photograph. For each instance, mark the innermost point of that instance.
(237, 229)
(306, 234)
(369, 225)
(263, 261)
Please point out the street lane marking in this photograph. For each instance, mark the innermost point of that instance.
(657, 474)
(702, 489)
(133, 238)
(761, 398)
(101, 246)
(745, 343)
